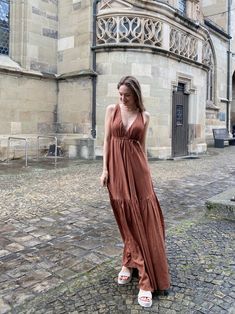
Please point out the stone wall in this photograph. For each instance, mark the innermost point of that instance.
(75, 76)
(74, 106)
(45, 82)
(34, 33)
(28, 98)
(216, 114)
(27, 104)
(27, 109)
(216, 10)
(75, 36)
(157, 74)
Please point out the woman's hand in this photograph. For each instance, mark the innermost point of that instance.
(104, 178)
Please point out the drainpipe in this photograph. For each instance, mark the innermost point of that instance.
(229, 52)
(56, 110)
(94, 77)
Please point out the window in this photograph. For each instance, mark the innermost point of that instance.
(4, 26)
(210, 85)
(179, 115)
(182, 6)
(210, 78)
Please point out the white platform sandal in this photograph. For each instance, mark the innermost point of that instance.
(147, 295)
(125, 273)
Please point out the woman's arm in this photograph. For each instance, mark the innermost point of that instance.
(146, 117)
(108, 115)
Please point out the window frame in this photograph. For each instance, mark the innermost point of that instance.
(182, 6)
(5, 29)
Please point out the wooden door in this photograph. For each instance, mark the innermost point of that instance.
(180, 122)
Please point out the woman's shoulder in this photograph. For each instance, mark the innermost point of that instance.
(110, 109)
(146, 116)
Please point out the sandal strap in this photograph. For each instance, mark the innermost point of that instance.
(145, 294)
(124, 274)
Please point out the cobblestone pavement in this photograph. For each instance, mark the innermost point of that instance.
(60, 250)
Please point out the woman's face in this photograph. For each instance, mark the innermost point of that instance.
(126, 96)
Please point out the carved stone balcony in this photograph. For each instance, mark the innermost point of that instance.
(207, 57)
(183, 44)
(127, 28)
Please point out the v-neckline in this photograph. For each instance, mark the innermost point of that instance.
(123, 126)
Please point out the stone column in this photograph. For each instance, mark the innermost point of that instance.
(166, 36)
(18, 26)
(199, 51)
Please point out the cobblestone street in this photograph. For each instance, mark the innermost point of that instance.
(60, 250)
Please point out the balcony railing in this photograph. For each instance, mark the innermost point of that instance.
(130, 30)
(183, 44)
(123, 30)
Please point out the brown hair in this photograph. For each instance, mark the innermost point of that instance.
(134, 85)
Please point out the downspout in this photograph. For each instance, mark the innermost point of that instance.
(56, 109)
(228, 68)
(56, 113)
(94, 77)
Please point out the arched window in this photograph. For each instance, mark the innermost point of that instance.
(210, 79)
(4, 26)
(182, 6)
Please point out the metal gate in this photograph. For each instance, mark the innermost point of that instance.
(179, 122)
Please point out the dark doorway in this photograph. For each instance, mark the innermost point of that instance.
(180, 122)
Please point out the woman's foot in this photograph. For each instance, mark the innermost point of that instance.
(145, 298)
(125, 275)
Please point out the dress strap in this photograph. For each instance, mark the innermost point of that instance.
(142, 116)
(114, 113)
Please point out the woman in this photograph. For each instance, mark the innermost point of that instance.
(135, 205)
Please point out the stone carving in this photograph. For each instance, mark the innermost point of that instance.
(183, 44)
(109, 4)
(129, 29)
(207, 57)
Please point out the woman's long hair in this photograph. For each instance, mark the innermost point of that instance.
(134, 85)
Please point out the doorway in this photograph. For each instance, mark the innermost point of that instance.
(179, 122)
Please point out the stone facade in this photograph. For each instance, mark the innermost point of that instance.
(217, 12)
(66, 57)
(180, 52)
(48, 75)
(157, 85)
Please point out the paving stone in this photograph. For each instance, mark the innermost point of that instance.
(65, 273)
(4, 253)
(31, 278)
(61, 251)
(20, 271)
(4, 242)
(46, 285)
(5, 228)
(16, 298)
(4, 308)
(15, 247)
(85, 266)
(45, 237)
(232, 310)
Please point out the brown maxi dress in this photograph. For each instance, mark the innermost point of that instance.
(135, 205)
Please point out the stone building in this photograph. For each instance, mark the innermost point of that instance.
(60, 62)
(219, 17)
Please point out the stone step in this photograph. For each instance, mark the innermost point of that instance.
(222, 205)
